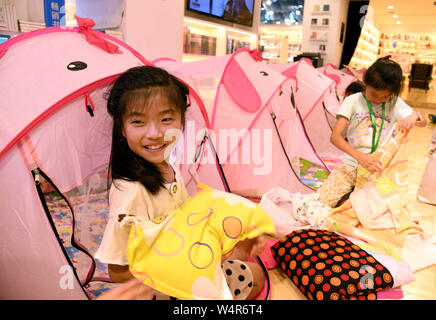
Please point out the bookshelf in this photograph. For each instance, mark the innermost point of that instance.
(320, 20)
(202, 40)
(280, 43)
(408, 48)
(366, 50)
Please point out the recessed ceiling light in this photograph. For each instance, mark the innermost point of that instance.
(398, 22)
(390, 7)
(395, 16)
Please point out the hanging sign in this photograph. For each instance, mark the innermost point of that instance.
(54, 13)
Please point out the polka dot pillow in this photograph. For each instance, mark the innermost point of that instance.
(326, 266)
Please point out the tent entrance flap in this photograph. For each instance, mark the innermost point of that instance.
(78, 218)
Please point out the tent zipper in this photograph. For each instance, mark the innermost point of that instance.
(37, 173)
(274, 117)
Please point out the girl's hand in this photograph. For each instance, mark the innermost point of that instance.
(253, 247)
(369, 163)
(408, 122)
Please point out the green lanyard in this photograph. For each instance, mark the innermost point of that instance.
(374, 125)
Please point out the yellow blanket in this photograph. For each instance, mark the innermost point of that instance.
(180, 254)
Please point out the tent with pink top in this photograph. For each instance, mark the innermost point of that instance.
(341, 79)
(315, 93)
(258, 132)
(55, 137)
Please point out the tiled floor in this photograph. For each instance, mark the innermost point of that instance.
(425, 285)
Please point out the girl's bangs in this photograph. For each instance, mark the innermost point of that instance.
(140, 100)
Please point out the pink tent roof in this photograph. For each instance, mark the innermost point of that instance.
(315, 90)
(341, 79)
(241, 94)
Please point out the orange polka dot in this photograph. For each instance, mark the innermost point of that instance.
(309, 296)
(324, 246)
(370, 259)
(387, 277)
(310, 242)
(320, 265)
(319, 295)
(353, 274)
(351, 289)
(307, 252)
(354, 263)
(336, 268)
(326, 238)
(305, 264)
(334, 296)
(340, 250)
(293, 250)
(281, 251)
(335, 281)
(372, 296)
(318, 279)
(312, 234)
(338, 258)
(340, 242)
(304, 280)
(355, 247)
(354, 255)
(322, 255)
(295, 280)
(296, 239)
(292, 264)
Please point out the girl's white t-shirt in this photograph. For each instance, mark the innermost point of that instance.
(359, 131)
(132, 199)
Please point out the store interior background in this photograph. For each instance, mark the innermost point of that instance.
(337, 32)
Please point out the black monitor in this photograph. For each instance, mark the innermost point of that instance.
(236, 11)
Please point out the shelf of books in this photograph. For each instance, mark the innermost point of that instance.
(202, 40)
(408, 48)
(367, 47)
(280, 44)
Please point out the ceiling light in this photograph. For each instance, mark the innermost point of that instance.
(269, 2)
(398, 22)
(390, 7)
(395, 16)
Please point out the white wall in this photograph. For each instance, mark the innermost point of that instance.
(154, 27)
(338, 14)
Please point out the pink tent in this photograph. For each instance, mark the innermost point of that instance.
(258, 134)
(315, 92)
(341, 79)
(55, 130)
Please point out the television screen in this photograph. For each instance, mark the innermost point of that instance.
(236, 11)
(4, 37)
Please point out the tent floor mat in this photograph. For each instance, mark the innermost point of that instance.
(312, 174)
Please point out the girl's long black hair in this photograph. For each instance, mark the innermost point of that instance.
(139, 83)
(385, 74)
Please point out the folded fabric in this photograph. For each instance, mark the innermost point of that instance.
(180, 254)
(293, 211)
